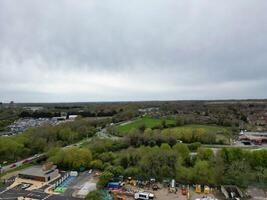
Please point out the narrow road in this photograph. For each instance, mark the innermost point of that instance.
(21, 162)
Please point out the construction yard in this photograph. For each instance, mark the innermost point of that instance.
(130, 189)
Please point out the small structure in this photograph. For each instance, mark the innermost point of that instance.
(172, 188)
(43, 173)
(72, 117)
(256, 138)
(114, 186)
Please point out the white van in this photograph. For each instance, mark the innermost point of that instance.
(73, 173)
(143, 196)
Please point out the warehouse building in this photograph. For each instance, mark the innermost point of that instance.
(43, 173)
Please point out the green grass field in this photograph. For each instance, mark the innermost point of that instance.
(220, 132)
(208, 133)
(147, 121)
(206, 128)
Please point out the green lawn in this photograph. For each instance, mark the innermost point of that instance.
(208, 133)
(206, 128)
(147, 121)
(217, 134)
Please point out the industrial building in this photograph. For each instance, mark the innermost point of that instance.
(43, 173)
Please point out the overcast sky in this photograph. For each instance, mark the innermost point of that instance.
(110, 50)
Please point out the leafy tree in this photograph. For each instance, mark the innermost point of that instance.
(132, 172)
(72, 158)
(96, 164)
(95, 195)
(179, 121)
(205, 154)
(165, 146)
(203, 173)
(104, 178)
(182, 151)
(183, 174)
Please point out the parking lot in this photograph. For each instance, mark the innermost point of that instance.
(21, 190)
(13, 194)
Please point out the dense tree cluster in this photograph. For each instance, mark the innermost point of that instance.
(150, 137)
(227, 166)
(37, 140)
(71, 158)
(39, 114)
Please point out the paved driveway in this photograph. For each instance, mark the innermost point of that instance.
(13, 194)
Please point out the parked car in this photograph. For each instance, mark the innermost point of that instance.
(184, 190)
(12, 166)
(25, 161)
(143, 196)
(25, 186)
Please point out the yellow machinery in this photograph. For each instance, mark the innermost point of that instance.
(172, 190)
(131, 181)
(206, 189)
(198, 189)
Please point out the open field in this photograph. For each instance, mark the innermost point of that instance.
(208, 133)
(205, 128)
(147, 121)
(153, 122)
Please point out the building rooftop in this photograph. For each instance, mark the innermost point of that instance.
(37, 170)
(256, 133)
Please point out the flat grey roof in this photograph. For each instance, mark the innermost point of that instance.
(255, 133)
(35, 171)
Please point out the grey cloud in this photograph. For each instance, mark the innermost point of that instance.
(179, 43)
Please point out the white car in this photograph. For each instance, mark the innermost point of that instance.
(25, 186)
(143, 196)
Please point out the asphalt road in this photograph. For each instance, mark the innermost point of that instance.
(21, 162)
(15, 193)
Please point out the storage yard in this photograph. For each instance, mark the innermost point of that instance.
(152, 190)
(73, 185)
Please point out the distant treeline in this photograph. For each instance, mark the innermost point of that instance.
(39, 114)
(101, 113)
(43, 114)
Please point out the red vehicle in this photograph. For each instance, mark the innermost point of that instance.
(25, 161)
(184, 190)
(12, 166)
